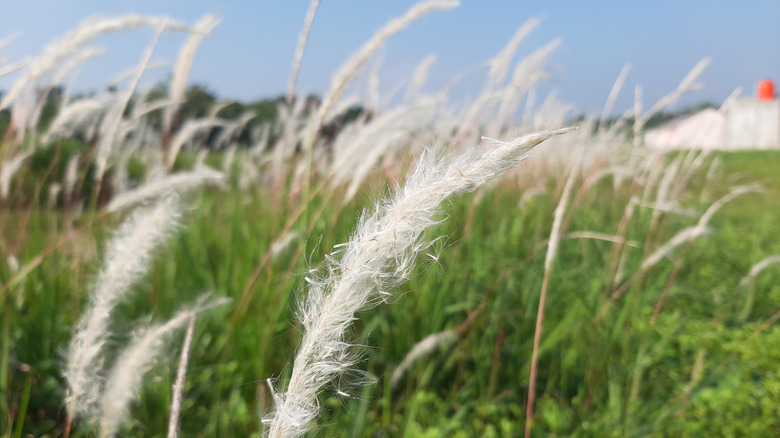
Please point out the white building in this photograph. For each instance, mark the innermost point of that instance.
(742, 124)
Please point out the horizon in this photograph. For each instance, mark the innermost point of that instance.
(249, 55)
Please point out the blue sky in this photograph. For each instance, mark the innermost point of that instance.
(250, 53)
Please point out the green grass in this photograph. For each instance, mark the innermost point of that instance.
(627, 373)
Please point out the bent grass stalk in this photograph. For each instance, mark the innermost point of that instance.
(178, 385)
(379, 256)
(110, 125)
(104, 397)
(431, 342)
(552, 249)
(300, 48)
(127, 259)
(123, 383)
(748, 282)
(178, 85)
(353, 65)
(70, 42)
(180, 182)
(684, 236)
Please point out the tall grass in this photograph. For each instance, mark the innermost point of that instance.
(381, 254)
(606, 289)
(498, 260)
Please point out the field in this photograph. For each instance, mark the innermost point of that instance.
(598, 287)
(674, 356)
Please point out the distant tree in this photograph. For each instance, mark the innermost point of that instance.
(198, 101)
(154, 118)
(332, 129)
(693, 109)
(50, 107)
(5, 118)
(266, 110)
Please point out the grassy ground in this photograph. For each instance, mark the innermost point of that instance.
(682, 352)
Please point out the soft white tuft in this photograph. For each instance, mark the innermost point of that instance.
(380, 255)
(123, 383)
(127, 259)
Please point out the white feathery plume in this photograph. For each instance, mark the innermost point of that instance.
(7, 40)
(77, 116)
(355, 155)
(76, 61)
(343, 106)
(300, 48)
(7, 69)
(757, 268)
(526, 74)
(187, 132)
(12, 67)
(662, 200)
(54, 190)
(748, 281)
(232, 128)
(178, 85)
(179, 182)
(228, 159)
(256, 151)
(418, 77)
(283, 242)
(353, 65)
(72, 63)
(552, 112)
(421, 349)
(13, 263)
(383, 142)
(653, 167)
(110, 126)
(691, 233)
(70, 42)
(730, 100)
(200, 158)
(613, 94)
(131, 72)
(379, 256)
(730, 196)
(290, 122)
(181, 376)
(691, 167)
(639, 120)
(499, 66)
(714, 169)
(8, 168)
(686, 85)
(23, 111)
(123, 383)
(686, 235)
(249, 174)
(373, 102)
(142, 108)
(127, 259)
(528, 109)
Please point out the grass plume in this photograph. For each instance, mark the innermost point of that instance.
(123, 383)
(379, 256)
(126, 260)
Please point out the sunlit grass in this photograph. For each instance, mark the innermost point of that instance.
(625, 374)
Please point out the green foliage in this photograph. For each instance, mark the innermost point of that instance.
(47, 165)
(669, 358)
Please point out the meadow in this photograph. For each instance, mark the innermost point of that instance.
(599, 287)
